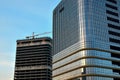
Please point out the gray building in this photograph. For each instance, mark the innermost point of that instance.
(86, 40)
(33, 59)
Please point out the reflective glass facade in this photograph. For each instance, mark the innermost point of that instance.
(86, 40)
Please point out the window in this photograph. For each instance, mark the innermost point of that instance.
(116, 63)
(114, 40)
(116, 78)
(114, 33)
(115, 55)
(113, 26)
(112, 19)
(111, 6)
(114, 48)
(111, 13)
(61, 9)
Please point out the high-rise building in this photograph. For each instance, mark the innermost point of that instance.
(86, 40)
(33, 59)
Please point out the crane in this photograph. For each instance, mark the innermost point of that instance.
(33, 35)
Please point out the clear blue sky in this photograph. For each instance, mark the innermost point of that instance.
(19, 18)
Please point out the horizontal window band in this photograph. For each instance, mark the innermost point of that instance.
(115, 55)
(114, 40)
(85, 50)
(114, 33)
(85, 66)
(111, 13)
(111, 6)
(95, 75)
(113, 26)
(114, 47)
(113, 19)
(87, 57)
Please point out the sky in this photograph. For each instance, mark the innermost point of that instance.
(18, 19)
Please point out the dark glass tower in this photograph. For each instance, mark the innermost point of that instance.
(33, 59)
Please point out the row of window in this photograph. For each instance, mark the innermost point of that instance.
(114, 47)
(30, 49)
(44, 55)
(32, 75)
(36, 74)
(116, 71)
(34, 46)
(37, 61)
(114, 33)
(35, 53)
(34, 64)
(32, 71)
(111, 13)
(114, 40)
(34, 79)
(116, 63)
(111, 6)
(33, 58)
(113, 19)
(115, 55)
(34, 49)
(113, 26)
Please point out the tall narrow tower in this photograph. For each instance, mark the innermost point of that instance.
(86, 40)
(33, 59)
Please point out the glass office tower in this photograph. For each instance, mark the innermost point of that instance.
(33, 59)
(86, 40)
